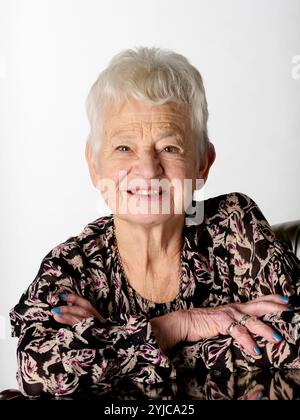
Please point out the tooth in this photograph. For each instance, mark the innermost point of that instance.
(146, 192)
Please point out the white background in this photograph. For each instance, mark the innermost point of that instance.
(51, 51)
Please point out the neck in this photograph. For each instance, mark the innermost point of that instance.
(152, 244)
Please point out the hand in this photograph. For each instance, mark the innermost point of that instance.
(205, 323)
(78, 310)
(201, 323)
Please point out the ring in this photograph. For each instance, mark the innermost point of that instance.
(232, 326)
(244, 319)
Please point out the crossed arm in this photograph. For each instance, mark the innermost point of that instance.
(74, 346)
(195, 324)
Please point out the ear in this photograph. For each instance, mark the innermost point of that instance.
(91, 165)
(211, 156)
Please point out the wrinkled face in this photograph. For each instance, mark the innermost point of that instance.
(147, 157)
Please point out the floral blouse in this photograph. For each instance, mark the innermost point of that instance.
(231, 256)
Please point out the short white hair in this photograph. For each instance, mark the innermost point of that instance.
(151, 74)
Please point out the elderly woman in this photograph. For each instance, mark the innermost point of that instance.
(151, 289)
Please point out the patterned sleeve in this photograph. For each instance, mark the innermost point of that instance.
(58, 359)
(264, 265)
(258, 264)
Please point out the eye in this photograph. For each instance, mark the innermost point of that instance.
(123, 147)
(171, 149)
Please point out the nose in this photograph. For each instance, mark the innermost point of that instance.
(147, 165)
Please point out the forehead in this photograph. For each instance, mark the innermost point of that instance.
(135, 114)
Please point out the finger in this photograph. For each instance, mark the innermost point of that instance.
(76, 300)
(246, 341)
(260, 308)
(238, 332)
(257, 327)
(81, 302)
(76, 311)
(276, 298)
(66, 319)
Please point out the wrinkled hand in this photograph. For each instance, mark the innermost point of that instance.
(77, 310)
(201, 323)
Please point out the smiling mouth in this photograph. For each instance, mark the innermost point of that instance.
(146, 193)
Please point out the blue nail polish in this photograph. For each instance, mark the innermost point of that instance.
(56, 311)
(285, 299)
(290, 308)
(277, 337)
(257, 350)
(64, 296)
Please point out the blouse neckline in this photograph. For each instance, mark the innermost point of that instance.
(120, 281)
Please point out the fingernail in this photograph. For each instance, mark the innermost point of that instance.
(64, 296)
(56, 311)
(277, 337)
(257, 350)
(285, 299)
